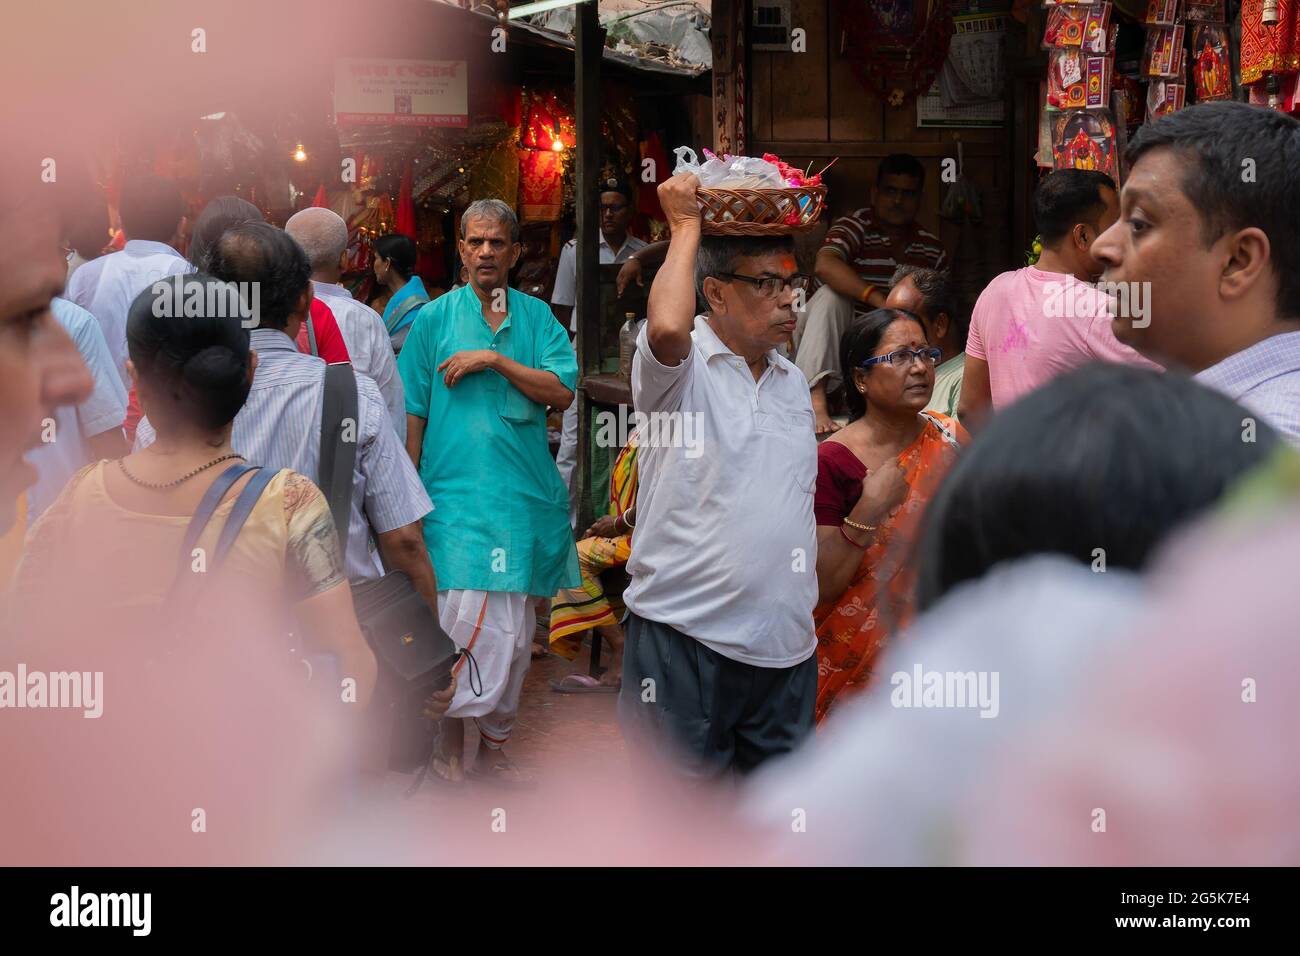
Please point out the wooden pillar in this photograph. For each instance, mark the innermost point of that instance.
(589, 45)
(728, 38)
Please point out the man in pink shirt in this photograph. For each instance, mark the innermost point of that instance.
(1033, 324)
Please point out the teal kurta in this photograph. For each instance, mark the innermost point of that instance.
(500, 519)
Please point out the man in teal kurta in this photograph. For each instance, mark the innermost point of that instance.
(480, 365)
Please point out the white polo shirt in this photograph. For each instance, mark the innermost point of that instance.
(725, 548)
(566, 273)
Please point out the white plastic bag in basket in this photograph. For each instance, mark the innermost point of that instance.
(733, 172)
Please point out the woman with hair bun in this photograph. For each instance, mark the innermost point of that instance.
(112, 544)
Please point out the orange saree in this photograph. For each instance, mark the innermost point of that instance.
(852, 629)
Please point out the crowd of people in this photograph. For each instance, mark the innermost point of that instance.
(883, 482)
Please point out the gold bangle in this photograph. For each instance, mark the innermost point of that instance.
(860, 527)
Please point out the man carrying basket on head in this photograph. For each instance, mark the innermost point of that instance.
(719, 669)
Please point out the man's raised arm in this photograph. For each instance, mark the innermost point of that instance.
(671, 307)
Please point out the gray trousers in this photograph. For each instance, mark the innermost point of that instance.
(817, 335)
(707, 715)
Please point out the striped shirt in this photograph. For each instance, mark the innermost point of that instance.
(1266, 379)
(873, 255)
(369, 347)
(279, 427)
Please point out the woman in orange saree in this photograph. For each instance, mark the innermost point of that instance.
(874, 479)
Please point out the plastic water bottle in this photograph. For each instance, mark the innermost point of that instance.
(626, 345)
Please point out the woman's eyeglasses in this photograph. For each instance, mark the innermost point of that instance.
(902, 358)
(770, 286)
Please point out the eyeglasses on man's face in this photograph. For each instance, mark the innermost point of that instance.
(902, 358)
(770, 286)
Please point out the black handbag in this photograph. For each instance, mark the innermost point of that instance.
(415, 656)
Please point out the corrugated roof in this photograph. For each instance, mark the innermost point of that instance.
(625, 58)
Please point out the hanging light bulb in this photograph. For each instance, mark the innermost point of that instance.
(300, 154)
(556, 145)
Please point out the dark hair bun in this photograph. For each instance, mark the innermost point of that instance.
(194, 367)
(216, 367)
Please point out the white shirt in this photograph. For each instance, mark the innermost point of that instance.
(725, 547)
(106, 287)
(566, 274)
(105, 409)
(369, 347)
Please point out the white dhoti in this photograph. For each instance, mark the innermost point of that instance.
(497, 629)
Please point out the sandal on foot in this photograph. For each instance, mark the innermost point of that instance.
(583, 684)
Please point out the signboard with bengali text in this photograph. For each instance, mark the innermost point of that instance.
(401, 92)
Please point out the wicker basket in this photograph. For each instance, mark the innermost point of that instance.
(759, 212)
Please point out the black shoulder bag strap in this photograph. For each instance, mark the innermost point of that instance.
(338, 445)
(244, 505)
(212, 498)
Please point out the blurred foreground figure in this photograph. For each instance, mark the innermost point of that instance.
(111, 544)
(1029, 566)
(1181, 751)
(40, 368)
(87, 431)
(180, 732)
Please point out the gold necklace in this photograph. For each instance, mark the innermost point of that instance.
(159, 486)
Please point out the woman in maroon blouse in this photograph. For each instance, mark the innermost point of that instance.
(874, 478)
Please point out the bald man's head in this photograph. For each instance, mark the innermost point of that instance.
(323, 235)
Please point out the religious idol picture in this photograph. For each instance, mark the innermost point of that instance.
(1084, 139)
(1211, 66)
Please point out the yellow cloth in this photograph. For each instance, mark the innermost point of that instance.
(574, 610)
(88, 552)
